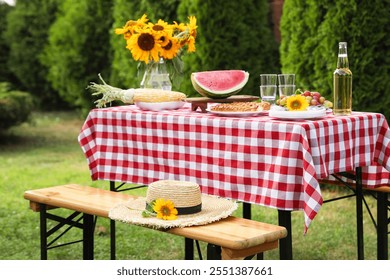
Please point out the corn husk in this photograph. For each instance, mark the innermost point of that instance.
(129, 96)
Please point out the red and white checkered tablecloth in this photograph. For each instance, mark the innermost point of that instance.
(257, 160)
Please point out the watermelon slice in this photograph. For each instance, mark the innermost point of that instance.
(219, 84)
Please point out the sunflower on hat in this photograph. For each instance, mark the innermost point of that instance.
(161, 208)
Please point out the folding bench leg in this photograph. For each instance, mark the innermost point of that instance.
(88, 238)
(359, 214)
(382, 221)
(43, 231)
(112, 240)
(188, 249)
(213, 252)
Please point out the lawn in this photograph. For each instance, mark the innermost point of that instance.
(45, 152)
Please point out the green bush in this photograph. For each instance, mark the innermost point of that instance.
(5, 72)
(26, 35)
(310, 33)
(231, 35)
(123, 68)
(15, 106)
(78, 49)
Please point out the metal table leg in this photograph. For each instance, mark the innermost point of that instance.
(246, 210)
(285, 244)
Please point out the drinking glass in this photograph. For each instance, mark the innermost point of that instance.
(286, 90)
(286, 79)
(268, 93)
(268, 79)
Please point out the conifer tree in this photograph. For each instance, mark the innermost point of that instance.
(78, 49)
(310, 33)
(231, 35)
(26, 35)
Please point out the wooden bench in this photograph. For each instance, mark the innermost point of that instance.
(235, 237)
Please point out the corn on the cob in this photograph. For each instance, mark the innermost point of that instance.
(157, 95)
(130, 96)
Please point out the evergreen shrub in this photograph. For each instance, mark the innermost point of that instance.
(311, 31)
(78, 49)
(231, 35)
(15, 106)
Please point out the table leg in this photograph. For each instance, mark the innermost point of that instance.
(382, 235)
(285, 244)
(359, 213)
(246, 210)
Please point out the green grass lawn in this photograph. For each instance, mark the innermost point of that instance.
(45, 152)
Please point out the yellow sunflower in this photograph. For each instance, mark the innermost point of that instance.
(192, 33)
(297, 103)
(171, 49)
(163, 30)
(165, 209)
(144, 46)
(131, 26)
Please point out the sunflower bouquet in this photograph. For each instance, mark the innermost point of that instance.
(149, 41)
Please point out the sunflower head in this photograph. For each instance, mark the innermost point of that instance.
(149, 41)
(144, 46)
(297, 103)
(165, 209)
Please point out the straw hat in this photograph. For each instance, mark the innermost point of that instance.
(193, 207)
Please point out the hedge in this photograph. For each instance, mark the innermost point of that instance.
(15, 106)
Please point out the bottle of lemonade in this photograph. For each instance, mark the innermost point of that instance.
(342, 83)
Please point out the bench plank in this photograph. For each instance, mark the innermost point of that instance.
(238, 237)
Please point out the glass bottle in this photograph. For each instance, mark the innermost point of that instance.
(342, 84)
(156, 76)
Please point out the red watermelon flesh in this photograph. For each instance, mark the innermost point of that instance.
(219, 84)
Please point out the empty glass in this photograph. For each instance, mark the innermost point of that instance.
(268, 93)
(286, 90)
(268, 79)
(286, 84)
(286, 79)
(268, 87)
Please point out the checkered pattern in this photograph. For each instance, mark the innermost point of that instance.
(258, 160)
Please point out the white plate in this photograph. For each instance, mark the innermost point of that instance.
(237, 114)
(298, 115)
(160, 106)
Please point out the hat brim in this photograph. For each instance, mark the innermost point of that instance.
(213, 209)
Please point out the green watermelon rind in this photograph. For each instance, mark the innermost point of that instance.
(218, 94)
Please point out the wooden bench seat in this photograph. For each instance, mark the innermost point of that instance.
(237, 237)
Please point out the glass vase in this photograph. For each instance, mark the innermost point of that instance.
(156, 76)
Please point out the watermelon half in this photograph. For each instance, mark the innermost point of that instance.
(219, 84)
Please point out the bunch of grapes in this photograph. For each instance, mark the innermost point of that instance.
(314, 98)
